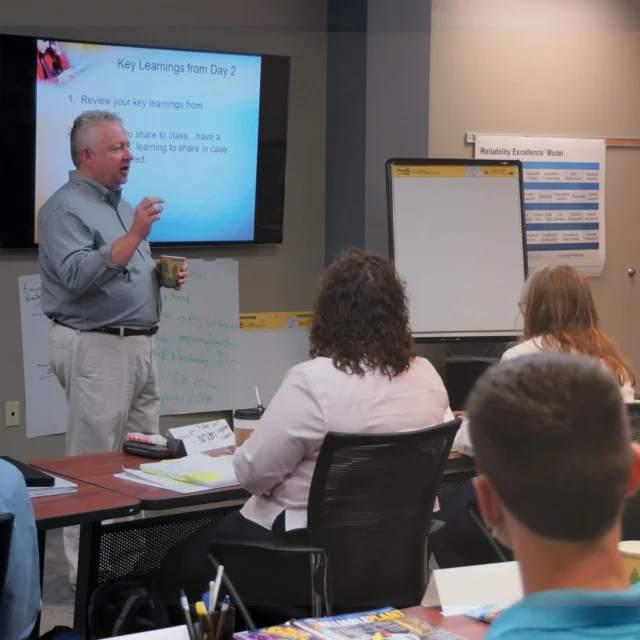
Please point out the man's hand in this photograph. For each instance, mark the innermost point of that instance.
(182, 274)
(146, 213)
(144, 216)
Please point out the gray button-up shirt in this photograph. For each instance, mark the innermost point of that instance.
(81, 287)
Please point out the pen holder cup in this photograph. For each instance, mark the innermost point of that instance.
(229, 624)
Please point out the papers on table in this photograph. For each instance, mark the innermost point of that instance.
(140, 477)
(197, 472)
(60, 487)
(462, 589)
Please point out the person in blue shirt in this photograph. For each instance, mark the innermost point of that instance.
(556, 463)
(21, 600)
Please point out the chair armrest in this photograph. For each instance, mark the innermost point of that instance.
(276, 547)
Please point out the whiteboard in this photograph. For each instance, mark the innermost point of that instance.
(198, 339)
(457, 236)
(263, 359)
(205, 363)
(45, 400)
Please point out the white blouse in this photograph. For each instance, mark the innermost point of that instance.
(462, 442)
(276, 463)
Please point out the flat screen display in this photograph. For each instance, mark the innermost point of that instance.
(208, 132)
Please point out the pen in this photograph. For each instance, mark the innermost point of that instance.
(223, 614)
(258, 399)
(212, 588)
(205, 622)
(187, 614)
(216, 588)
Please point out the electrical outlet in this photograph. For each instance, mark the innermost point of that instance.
(12, 414)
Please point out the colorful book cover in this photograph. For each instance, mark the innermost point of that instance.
(280, 632)
(381, 624)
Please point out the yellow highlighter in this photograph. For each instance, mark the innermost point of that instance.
(206, 630)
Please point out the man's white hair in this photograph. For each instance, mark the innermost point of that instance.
(81, 130)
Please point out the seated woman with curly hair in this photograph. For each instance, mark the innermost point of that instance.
(363, 377)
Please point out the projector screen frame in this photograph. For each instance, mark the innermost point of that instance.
(19, 235)
(444, 337)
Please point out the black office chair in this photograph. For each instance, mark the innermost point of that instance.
(369, 515)
(631, 517)
(633, 412)
(6, 530)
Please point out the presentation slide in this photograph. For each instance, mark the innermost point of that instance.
(192, 121)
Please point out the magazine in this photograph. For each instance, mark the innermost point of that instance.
(381, 624)
(283, 631)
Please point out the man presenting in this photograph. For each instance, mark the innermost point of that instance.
(100, 286)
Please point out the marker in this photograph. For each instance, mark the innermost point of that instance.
(258, 399)
(206, 632)
(187, 614)
(223, 614)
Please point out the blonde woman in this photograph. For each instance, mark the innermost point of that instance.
(559, 315)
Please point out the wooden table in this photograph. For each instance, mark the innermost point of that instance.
(99, 469)
(90, 503)
(87, 507)
(461, 625)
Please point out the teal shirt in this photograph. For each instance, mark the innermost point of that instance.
(571, 614)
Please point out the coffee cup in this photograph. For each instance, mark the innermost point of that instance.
(630, 553)
(171, 267)
(245, 422)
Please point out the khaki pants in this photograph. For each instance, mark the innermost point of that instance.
(111, 384)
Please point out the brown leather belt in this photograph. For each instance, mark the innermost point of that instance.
(125, 332)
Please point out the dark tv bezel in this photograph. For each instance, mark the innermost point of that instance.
(421, 338)
(18, 119)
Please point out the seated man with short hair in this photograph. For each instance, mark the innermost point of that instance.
(556, 462)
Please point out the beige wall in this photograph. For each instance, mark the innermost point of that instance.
(550, 67)
(271, 278)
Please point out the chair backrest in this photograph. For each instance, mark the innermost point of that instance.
(6, 529)
(631, 517)
(370, 509)
(633, 411)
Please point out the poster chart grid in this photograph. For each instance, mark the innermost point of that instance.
(564, 196)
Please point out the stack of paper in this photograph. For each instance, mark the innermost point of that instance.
(197, 472)
(60, 486)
